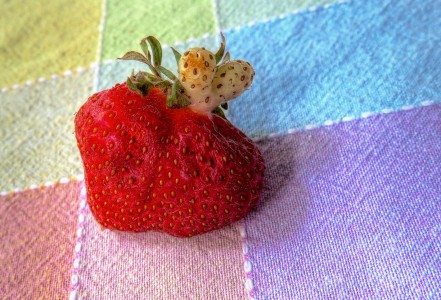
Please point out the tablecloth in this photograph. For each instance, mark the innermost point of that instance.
(345, 107)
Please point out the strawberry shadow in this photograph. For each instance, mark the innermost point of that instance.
(292, 162)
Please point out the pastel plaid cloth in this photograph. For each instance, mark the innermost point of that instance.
(345, 108)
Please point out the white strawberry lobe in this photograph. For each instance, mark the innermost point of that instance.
(196, 71)
(231, 80)
(206, 85)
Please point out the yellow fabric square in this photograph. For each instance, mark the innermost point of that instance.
(41, 38)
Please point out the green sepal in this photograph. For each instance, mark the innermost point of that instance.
(140, 84)
(132, 86)
(182, 101)
(172, 99)
(218, 111)
(156, 50)
(220, 53)
(133, 55)
(164, 84)
(168, 73)
(145, 49)
(177, 55)
(175, 98)
(226, 58)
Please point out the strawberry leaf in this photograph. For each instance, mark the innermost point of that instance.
(145, 49)
(164, 84)
(131, 85)
(182, 101)
(218, 111)
(168, 73)
(133, 55)
(156, 50)
(171, 98)
(177, 55)
(141, 84)
(175, 98)
(226, 58)
(220, 53)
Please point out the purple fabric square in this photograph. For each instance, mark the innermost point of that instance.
(351, 211)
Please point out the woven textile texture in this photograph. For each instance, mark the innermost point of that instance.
(38, 235)
(345, 107)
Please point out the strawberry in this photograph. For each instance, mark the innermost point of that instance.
(159, 156)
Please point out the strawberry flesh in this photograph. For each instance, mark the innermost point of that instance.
(149, 167)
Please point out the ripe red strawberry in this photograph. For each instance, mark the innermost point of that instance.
(157, 158)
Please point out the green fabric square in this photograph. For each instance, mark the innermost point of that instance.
(231, 12)
(38, 39)
(170, 21)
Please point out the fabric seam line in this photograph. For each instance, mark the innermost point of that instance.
(217, 27)
(361, 116)
(247, 267)
(75, 278)
(42, 186)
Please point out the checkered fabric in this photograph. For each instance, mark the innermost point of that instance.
(345, 107)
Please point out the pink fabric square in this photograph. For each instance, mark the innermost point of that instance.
(151, 265)
(37, 238)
